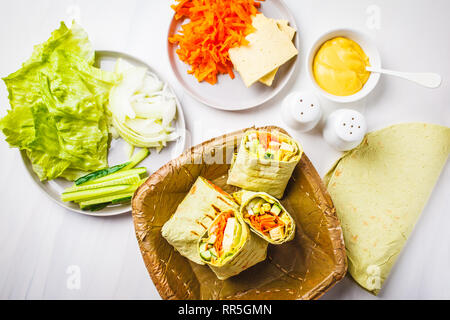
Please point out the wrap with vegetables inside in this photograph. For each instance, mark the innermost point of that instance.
(265, 162)
(228, 246)
(379, 190)
(266, 216)
(194, 215)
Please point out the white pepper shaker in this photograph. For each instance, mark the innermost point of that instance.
(301, 110)
(344, 129)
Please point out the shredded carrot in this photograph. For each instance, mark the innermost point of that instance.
(266, 222)
(221, 223)
(214, 27)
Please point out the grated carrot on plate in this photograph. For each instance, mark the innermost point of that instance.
(214, 27)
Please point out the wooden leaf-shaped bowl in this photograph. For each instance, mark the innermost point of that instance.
(303, 268)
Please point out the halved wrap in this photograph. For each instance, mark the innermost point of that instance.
(265, 162)
(194, 215)
(229, 247)
(266, 216)
(379, 190)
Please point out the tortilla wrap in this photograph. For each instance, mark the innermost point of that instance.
(379, 190)
(244, 197)
(258, 174)
(194, 215)
(248, 251)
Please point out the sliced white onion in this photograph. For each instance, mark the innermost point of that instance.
(146, 110)
(151, 84)
(169, 113)
(120, 95)
(145, 127)
(143, 108)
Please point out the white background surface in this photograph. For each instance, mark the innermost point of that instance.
(42, 245)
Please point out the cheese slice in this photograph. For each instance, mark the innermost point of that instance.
(228, 234)
(283, 25)
(268, 49)
(286, 146)
(276, 233)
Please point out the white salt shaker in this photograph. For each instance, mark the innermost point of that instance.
(345, 129)
(301, 110)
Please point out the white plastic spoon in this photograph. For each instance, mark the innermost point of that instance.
(429, 80)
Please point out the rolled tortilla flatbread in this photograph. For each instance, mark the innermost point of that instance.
(228, 246)
(194, 215)
(265, 162)
(379, 190)
(266, 216)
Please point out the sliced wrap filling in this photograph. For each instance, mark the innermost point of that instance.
(267, 217)
(265, 145)
(222, 239)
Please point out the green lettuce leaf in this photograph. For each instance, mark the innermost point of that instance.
(58, 107)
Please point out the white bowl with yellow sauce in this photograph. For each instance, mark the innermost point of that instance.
(336, 65)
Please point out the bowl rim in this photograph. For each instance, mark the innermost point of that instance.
(368, 46)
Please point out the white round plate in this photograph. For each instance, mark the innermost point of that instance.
(232, 94)
(117, 152)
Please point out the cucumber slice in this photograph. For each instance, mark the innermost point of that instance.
(119, 174)
(108, 200)
(206, 255)
(121, 180)
(122, 200)
(213, 252)
(268, 155)
(137, 158)
(95, 207)
(131, 189)
(275, 209)
(100, 173)
(94, 193)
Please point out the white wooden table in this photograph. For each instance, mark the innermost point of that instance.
(47, 252)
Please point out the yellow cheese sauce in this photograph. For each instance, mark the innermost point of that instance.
(339, 67)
